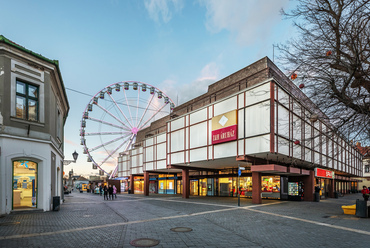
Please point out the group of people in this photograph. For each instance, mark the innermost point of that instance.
(110, 192)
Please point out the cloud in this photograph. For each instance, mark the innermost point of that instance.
(162, 10)
(70, 142)
(246, 20)
(185, 92)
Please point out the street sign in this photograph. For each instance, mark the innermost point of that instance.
(241, 168)
(239, 172)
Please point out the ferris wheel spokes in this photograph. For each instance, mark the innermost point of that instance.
(107, 143)
(109, 113)
(164, 105)
(113, 126)
(120, 110)
(112, 152)
(129, 109)
(105, 133)
(130, 142)
(110, 124)
(146, 109)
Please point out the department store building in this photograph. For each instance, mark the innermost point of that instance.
(253, 131)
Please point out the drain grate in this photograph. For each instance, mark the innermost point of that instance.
(144, 242)
(9, 223)
(181, 229)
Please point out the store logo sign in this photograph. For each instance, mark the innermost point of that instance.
(224, 127)
(324, 173)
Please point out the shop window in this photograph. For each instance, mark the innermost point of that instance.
(24, 184)
(27, 101)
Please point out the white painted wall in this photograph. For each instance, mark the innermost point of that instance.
(32, 150)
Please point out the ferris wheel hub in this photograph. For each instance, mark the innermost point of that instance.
(134, 130)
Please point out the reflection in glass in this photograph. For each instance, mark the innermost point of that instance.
(21, 87)
(21, 107)
(32, 91)
(32, 110)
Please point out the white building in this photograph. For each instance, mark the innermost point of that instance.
(33, 110)
(255, 118)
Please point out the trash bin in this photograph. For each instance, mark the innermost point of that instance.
(56, 203)
(336, 195)
(317, 196)
(361, 208)
(129, 191)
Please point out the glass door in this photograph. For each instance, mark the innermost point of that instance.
(24, 184)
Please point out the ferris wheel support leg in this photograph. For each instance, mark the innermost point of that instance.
(114, 172)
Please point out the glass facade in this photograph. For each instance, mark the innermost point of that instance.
(24, 184)
(139, 185)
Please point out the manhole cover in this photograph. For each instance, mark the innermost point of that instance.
(144, 242)
(181, 229)
(9, 223)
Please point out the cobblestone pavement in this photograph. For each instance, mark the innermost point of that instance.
(86, 220)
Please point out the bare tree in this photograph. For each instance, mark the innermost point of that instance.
(330, 60)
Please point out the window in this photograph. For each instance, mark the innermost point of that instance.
(367, 168)
(27, 101)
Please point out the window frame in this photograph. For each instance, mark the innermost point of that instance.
(28, 97)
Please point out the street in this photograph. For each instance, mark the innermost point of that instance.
(86, 220)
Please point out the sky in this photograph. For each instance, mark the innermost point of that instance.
(178, 46)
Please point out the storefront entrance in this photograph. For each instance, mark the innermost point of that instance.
(24, 184)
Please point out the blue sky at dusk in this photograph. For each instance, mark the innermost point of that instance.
(179, 46)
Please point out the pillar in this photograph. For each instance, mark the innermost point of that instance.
(256, 188)
(309, 186)
(331, 188)
(185, 183)
(131, 188)
(146, 183)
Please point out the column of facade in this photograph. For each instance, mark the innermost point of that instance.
(331, 188)
(185, 183)
(256, 188)
(146, 183)
(309, 186)
(131, 188)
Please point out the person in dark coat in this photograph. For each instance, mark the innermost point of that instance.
(105, 189)
(110, 191)
(100, 189)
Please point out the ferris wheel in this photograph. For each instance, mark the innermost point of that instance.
(114, 116)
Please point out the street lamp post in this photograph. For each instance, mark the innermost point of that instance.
(67, 162)
(75, 156)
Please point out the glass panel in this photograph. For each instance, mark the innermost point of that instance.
(21, 87)
(24, 184)
(32, 110)
(32, 91)
(21, 107)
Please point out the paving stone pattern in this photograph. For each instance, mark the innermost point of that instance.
(86, 220)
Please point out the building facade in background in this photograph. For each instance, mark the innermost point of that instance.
(33, 111)
(365, 151)
(255, 119)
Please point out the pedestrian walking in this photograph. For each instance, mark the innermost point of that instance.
(100, 189)
(365, 193)
(105, 189)
(114, 191)
(110, 191)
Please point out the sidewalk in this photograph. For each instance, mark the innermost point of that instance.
(86, 220)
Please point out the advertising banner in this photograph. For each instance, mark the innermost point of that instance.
(324, 173)
(225, 127)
